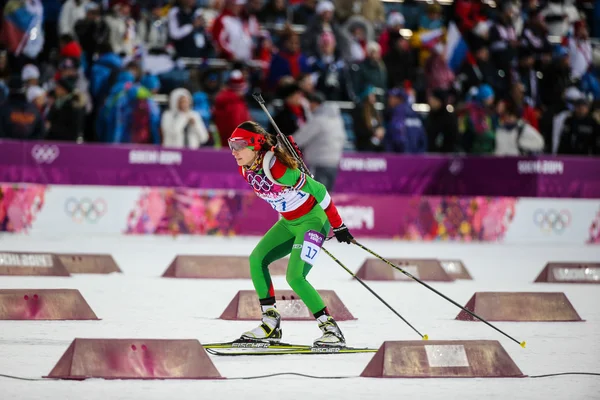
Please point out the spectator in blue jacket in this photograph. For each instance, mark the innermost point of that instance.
(405, 132)
(104, 73)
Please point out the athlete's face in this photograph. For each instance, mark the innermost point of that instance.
(244, 156)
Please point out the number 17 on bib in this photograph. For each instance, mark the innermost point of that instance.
(311, 247)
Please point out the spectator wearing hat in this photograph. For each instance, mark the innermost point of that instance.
(71, 12)
(515, 137)
(430, 34)
(30, 75)
(182, 127)
(331, 72)
(368, 123)
(322, 139)
(371, 10)
(399, 61)
(295, 111)
(187, 30)
(230, 107)
(387, 39)
(151, 82)
(477, 122)
(371, 72)
(288, 61)
(153, 27)
(66, 116)
(91, 32)
(304, 12)
(441, 124)
(37, 96)
(581, 132)
(404, 132)
(19, 119)
(324, 23)
(233, 33)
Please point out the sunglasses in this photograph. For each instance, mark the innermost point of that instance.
(238, 144)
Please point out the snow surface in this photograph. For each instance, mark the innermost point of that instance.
(140, 304)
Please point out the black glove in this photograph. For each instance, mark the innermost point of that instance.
(342, 234)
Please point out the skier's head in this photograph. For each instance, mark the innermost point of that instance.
(250, 139)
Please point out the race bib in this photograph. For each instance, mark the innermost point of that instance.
(311, 247)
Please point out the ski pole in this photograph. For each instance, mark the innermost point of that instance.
(522, 344)
(261, 102)
(424, 337)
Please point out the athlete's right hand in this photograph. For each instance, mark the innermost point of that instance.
(343, 235)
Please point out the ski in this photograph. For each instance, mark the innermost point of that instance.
(252, 348)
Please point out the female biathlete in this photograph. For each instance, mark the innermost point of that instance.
(307, 212)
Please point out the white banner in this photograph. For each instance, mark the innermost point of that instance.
(552, 220)
(85, 209)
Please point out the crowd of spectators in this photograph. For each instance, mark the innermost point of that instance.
(504, 77)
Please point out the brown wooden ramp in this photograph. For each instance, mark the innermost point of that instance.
(570, 272)
(214, 267)
(442, 359)
(422, 268)
(89, 263)
(245, 306)
(134, 359)
(520, 306)
(31, 263)
(44, 304)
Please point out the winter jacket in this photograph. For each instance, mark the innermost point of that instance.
(521, 139)
(153, 32)
(477, 128)
(90, 35)
(333, 78)
(580, 56)
(442, 131)
(405, 132)
(438, 73)
(66, 117)
(286, 64)
(502, 52)
(188, 40)
(176, 128)
(323, 136)
(400, 64)
(117, 121)
(108, 65)
(364, 126)
(580, 136)
(475, 73)
(229, 110)
(369, 73)
(20, 120)
(71, 12)
(123, 38)
(233, 35)
(289, 121)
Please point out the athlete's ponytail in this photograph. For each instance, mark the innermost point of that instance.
(271, 143)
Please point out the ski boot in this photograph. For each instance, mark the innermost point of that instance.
(332, 335)
(268, 330)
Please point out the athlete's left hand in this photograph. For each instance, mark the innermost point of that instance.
(343, 235)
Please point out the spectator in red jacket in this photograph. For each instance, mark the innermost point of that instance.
(395, 22)
(230, 108)
(233, 32)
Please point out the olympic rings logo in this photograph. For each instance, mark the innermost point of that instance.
(85, 209)
(552, 220)
(45, 154)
